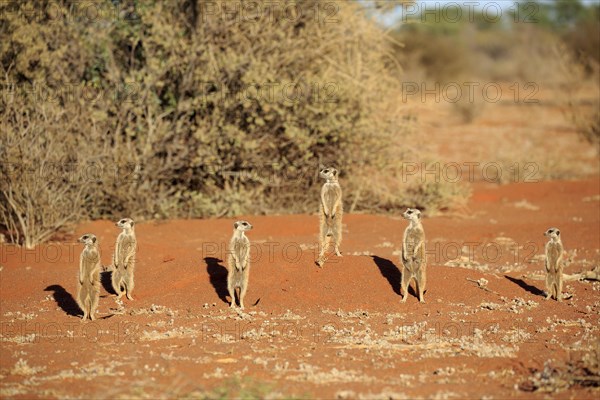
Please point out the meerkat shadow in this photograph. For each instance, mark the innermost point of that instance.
(106, 280)
(218, 277)
(64, 300)
(389, 271)
(530, 288)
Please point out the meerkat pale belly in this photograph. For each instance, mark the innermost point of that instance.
(88, 288)
(330, 214)
(124, 259)
(238, 265)
(554, 264)
(413, 258)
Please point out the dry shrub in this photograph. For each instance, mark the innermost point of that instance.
(432, 53)
(581, 100)
(467, 106)
(439, 49)
(165, 109)
(37, 190)
(588, 125)
(586, 119)
(533, 54)
(583, 38)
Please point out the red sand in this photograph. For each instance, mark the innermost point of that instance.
(336, 331)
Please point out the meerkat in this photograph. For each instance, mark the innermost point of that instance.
(124, 259)
(413, 258)
(554, 264)
(331, 211)
(88, 288)
(239, 262)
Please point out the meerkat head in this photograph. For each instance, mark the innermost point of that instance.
(125, 223)
(412, 214)
(329, 173)
(242, 226)
(553, 234)
(88, 239)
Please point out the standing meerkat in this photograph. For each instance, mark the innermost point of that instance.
(413, 258)
(554, 264)
(88, 288)
(124, 259)
(239, 262)
(331, 211)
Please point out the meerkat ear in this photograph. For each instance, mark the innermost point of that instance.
(335, 172)
(235, 225)
(557, 232)
(132, 223)
(93, 239)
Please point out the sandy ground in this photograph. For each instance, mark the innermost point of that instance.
(485, 329)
